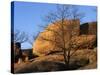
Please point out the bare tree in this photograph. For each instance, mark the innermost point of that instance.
(20, 37)
(32, 38)
(58, 18)
(17, 37)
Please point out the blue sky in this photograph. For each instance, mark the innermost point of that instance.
(28, 15)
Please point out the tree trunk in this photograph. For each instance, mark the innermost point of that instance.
(65, 59)
(68, 61)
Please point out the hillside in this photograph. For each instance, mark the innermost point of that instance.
(83, 59)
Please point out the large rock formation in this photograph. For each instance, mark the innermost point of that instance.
(89, 28)
(45, 42)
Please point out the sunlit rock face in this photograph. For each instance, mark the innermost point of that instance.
(45, 42)
(83, 42)
(80, 37)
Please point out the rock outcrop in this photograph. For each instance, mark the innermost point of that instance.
(84, 36)
(88, 28)
(43, 44)
(83, 42)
